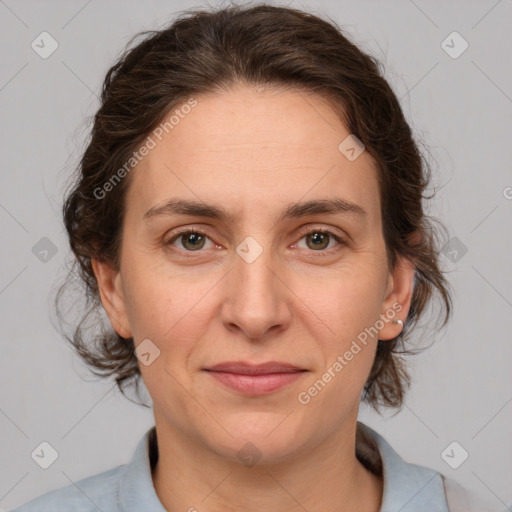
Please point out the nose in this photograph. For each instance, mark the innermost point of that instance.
(257, 298)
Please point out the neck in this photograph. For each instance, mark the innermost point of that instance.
(328, 477)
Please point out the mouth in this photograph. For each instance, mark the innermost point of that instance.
(258, 379)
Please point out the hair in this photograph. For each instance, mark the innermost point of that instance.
(203, 52)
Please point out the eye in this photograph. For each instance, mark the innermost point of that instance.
(191, 240)
(319, 239)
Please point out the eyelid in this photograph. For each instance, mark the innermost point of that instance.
(321, 229)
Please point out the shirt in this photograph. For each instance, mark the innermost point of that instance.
(129, 487)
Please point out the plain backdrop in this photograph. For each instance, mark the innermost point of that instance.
(459, 105)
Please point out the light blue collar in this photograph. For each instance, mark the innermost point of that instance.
(136, 490)
(407, 487)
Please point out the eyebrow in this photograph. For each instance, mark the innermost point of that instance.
(176, 206)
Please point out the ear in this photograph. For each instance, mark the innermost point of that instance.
(112, 296)
(398, 298)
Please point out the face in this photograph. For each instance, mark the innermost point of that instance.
(271, 281)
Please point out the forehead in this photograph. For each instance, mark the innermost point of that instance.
(253, 149)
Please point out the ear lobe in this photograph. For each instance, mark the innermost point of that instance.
(112, 296)
(399, 292)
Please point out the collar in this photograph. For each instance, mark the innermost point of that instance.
(407, 487)
(136, 491)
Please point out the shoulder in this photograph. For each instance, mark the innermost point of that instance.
(461, 499)
(96, 492)
(127, 487)
(410, 487)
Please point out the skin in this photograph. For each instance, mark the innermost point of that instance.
(255, 151)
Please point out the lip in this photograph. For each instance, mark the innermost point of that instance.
(257, 379)
(243, 368)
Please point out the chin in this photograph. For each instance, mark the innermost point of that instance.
(266, 439)
(259, 452)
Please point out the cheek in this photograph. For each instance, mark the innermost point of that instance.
(349, 300)
(149, 299)
(172, 309)
(348, 305)
(157, 311)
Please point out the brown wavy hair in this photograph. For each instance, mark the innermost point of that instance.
(210, 51)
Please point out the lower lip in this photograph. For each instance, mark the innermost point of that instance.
(256, 384)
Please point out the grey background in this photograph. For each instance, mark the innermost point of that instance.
(461, 108)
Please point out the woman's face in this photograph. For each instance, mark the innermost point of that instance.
(255, 287)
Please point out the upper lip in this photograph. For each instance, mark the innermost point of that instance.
(242, 367)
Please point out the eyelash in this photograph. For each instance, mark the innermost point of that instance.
(308, 231)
